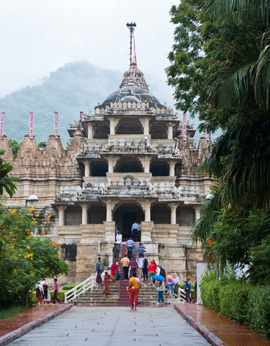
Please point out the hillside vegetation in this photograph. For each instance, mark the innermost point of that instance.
(78, 86)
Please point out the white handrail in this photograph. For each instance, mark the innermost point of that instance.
(80, 288)
(182, 294)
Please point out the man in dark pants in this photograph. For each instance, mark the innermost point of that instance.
(134, 230)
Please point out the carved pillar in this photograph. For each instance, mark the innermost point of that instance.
(172, 169)
(170, 131)
(147, 212)
(197, 209)
(110, 165)
(86, 169)
(112, 126)
(90, 131)
(146, 127)
(61, 212)
(173, 213)
(146, 164)
(84, 214)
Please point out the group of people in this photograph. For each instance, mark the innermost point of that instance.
(42, 291)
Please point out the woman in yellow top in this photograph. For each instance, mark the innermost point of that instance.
(133, 288)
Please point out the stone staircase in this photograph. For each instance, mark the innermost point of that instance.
(118, 295)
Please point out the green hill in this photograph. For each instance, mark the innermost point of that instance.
(78, 86)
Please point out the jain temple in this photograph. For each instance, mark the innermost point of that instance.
(130, 160)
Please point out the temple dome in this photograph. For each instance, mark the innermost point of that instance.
(132, 89)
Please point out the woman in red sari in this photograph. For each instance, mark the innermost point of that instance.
(113, 271)
(106, 287)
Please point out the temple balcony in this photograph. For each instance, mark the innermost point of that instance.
(128, 187)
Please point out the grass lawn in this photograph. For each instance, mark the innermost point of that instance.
(11, 312)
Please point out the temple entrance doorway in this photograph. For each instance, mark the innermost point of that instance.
(125, 216)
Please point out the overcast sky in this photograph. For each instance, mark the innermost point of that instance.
(39, 36)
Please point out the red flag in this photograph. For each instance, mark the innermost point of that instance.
(31, 123)
(2, 125)
(56, 125)
(184, 127)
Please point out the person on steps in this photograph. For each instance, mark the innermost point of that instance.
(125, 265)
(106, 287)
(133, 288)
(145, 269)
(99, 270)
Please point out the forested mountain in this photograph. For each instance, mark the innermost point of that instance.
(78, 86)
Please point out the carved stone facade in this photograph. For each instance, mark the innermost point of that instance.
(125, 162)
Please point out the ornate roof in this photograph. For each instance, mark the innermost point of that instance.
(132, 89)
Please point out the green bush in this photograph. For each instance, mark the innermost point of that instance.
(233, 301)
(67, 287)
(210, 293)
(240, 301)
(259, 309)
(60, 296)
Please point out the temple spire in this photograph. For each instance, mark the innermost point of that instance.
(131, 27)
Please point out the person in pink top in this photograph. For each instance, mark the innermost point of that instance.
(170, 284)
(56, 290)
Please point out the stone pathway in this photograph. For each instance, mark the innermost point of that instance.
(115, 326)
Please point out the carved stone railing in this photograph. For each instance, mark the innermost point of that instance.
(128, 186)
(135, 147)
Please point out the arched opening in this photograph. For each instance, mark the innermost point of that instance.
(101, 131)
(129, 127)
(159, 168)
(73, 215)
(158, 131)
(97, 214)
(185, 216)
(161, 214)
(125, 215)
(128, 165)
(99, 168)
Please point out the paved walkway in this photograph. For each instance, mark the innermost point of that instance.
(115, 326)
(213, 326)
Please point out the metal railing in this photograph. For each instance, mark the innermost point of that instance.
(80, 288)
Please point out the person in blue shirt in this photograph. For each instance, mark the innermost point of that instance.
(134, 230)
(130, 243)
(188, 289)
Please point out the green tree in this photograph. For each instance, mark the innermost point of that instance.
(6, 183)
(24, 257)
(220, 69)
(14, 146)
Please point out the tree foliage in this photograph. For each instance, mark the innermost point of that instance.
(24, 257)
(6, 183)
(220, 68)
(14, 146)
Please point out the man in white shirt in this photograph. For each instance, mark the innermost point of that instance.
(139, 261)
(118, 240)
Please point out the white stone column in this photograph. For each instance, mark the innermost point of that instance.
(147, 212)
(110, 165)
(112, 126)
(197, 212)
(61, 212)
(170, 131)
(84, 214)
(90, 131)
(146, 165)
(86, 169)
(173, 214)
(172, 169)
(146, 127)
(109, 209)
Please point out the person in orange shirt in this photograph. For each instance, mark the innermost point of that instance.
(133, 288)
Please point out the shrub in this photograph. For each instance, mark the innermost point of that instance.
(67, 287)
(259, 309)
(233, 301)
